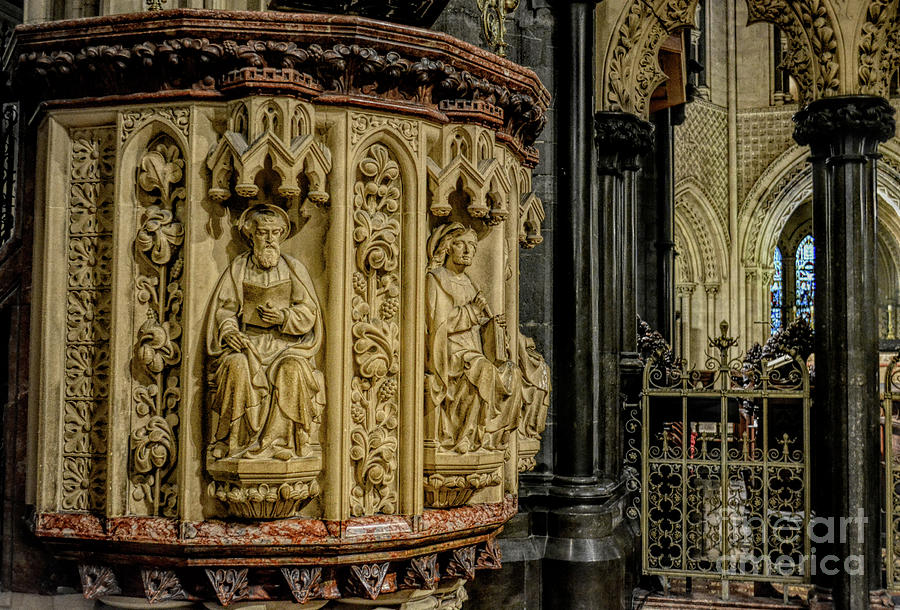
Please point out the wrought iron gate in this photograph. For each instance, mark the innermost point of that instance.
(721, 460)
(891, 417)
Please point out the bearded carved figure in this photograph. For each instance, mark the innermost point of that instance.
(473, 390)
(264, 331)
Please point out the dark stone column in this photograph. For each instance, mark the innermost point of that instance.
(665, 121)
(588, 542)
(843, 134)
(621, 138)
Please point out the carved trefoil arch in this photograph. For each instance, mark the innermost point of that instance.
(271, 141)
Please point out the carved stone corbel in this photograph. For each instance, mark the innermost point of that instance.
(367, 580)
(230, 584)
(461, 563)
(303, 582)
(422, 573)
(98, 581)
(162, 586)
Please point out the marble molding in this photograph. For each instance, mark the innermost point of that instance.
(291, 367)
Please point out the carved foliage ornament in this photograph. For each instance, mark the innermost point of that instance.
(88, 307)
(817, 123)
(158, 268)
(345, 69)
(633, 71)
(813, 56)
(879, 47)
(374, 408)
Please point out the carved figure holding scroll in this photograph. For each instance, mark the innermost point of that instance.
(264, 330)
(471, 384)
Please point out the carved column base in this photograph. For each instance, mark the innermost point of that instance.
(452, 479)
(265, 488)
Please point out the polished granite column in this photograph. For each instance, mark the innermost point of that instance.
(843, 134)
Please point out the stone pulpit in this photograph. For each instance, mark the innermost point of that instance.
(276, 287)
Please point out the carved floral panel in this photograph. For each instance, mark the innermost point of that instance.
(156, 390)
(374, 410)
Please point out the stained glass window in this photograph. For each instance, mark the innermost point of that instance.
(777, 291)
(806, 279)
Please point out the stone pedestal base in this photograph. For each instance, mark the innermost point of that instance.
(588, 550)
(528, 449)
(265, 488)
(454, 479)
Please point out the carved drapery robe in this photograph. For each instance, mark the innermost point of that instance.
(267, 396)
(477, 402)
(535, 389)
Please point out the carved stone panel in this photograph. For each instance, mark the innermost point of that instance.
(159, 295)
(88, 304)
(374, 410)
(266, 395)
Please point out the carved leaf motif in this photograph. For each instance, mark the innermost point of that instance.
(83, 483)
(159, 236)
(87, 315)
(153, 446)
(156, 345)
(162, 586)
(90, 209)
(367, 579)
(87, 371)
(230, 585)
(161, 169)
(490, 557)
(462, 563)
(378, 247)
(90, 262)
(304, 582)
(93, 156)
(84, 430)
(380, 191)
(374, 348)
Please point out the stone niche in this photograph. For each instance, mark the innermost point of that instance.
(285, 336)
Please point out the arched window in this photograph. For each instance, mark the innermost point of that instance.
(806, 279)
(777, 292)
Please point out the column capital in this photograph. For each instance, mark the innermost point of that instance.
(620, 138)
(823, 121)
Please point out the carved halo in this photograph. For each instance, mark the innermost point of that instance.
(248, 214)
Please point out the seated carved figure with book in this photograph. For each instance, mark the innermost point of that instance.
(264, 331)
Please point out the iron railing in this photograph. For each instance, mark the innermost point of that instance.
(890, 397)
(720, 459)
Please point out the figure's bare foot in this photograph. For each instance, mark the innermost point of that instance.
(219, 450)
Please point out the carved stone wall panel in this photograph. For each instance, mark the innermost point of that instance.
(88, 302)
(762, 136)
(265, 389)
(701, 153)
